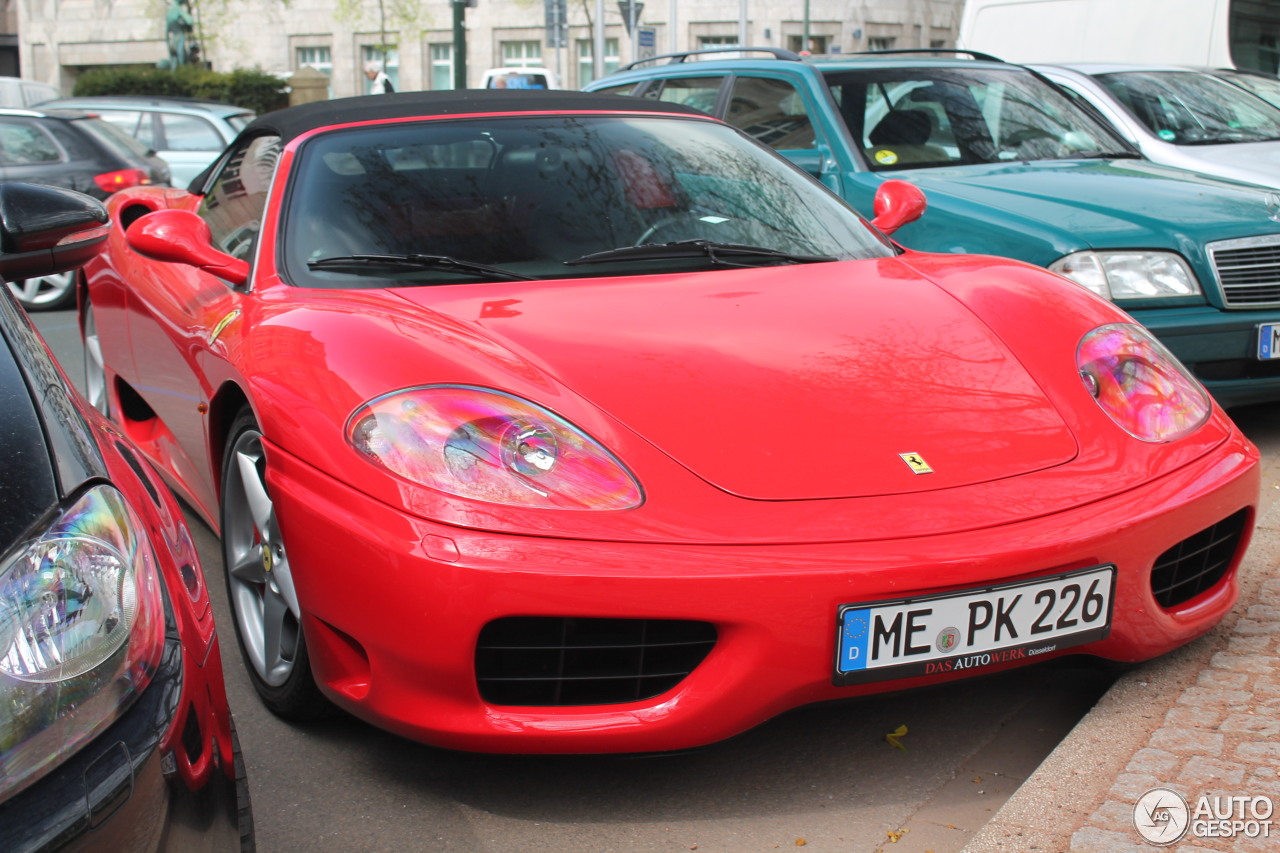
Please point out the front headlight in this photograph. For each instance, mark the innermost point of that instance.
(1140, 384)
(489, 446)
(81, 634)
(1129, 275)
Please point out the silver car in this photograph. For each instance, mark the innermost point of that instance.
(1182, 117)
(187, 133)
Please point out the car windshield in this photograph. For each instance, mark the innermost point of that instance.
(921, 117)
(239, 121)
(380, 205)
(1267, 88)
(1189, 108)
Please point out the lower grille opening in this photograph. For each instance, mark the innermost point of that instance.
(1243, 368)
(552, 660)
(1197, 563)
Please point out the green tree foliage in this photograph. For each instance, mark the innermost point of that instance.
(250, 88)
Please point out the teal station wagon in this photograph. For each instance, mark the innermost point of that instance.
(1012, 167)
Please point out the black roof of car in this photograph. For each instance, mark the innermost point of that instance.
(294, 121)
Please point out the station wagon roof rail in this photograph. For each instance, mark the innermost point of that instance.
(677, 58)
(792, 56)
(948, 51)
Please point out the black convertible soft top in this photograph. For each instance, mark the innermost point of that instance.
(294, 121)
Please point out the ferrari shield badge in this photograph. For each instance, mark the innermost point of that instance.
(916, 463)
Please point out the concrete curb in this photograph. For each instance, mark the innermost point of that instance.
(1203, 720)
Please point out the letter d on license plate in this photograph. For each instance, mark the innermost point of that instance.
(973, 629)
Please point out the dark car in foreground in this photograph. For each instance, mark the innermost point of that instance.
(114, 728)
(188, 133)
(1013, 167)
(69, 148)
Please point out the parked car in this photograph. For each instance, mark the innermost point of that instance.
(18, 92)
(519, 78)
(187, 132)
(1013, 167)
(1181, 117)
(114, 727)
(68, 148)
(554, 422)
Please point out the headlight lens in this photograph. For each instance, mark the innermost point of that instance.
(1140, 384)
(81, 634)
(490, 446)
(1130, 275)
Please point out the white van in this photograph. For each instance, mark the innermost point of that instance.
(1213, 33)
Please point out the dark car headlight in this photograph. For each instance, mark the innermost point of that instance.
(81, 633)
(1130, 275)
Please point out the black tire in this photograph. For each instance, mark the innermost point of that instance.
(259, 582)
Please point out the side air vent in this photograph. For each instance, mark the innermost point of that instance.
(547, 660)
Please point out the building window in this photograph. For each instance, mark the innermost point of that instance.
(586, 65)
(319, 58)
(442, 66)
(521, 54)
(387, 57)
(881, 43)
(717, 41)
(817, 44)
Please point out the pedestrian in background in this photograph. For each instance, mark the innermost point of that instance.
(381, 82)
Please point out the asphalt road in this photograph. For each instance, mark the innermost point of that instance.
(823, 778)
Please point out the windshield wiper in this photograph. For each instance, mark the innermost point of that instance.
(382, 263)
(1096, 154)
(718, 253)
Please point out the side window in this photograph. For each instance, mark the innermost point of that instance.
(128, 121)
(234, 205)
(700, 93)
(188, 133)
(772, 112)
(23, 144)
(908, 123)
(75, 144)
(625, 89)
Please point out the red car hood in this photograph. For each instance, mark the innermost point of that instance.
(785, 383)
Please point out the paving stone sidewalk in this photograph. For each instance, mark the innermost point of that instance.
(1204, 721)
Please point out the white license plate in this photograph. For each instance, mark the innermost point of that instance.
(1268, 341)
(973, 629)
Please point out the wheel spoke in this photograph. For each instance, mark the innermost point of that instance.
(246, 566)
(274, 612)
(255, 492)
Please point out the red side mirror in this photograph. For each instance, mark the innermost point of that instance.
(898, 203)
(181, 237)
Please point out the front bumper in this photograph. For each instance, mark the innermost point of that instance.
(1220, 348)
(393, 604)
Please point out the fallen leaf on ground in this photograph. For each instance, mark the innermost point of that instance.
(893, 736)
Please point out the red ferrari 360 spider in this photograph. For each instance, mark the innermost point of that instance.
(567, 423)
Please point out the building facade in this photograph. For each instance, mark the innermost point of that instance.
(414, 41)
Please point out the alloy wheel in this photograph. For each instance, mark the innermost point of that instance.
(258, 576)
